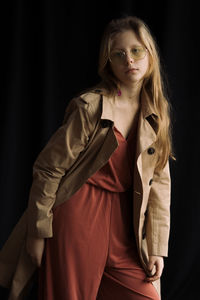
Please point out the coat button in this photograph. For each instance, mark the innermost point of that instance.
(150, 181)
(151, 150)
(105, 123)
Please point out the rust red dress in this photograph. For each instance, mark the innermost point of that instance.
(93, 253)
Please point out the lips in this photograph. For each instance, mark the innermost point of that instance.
(131, 70)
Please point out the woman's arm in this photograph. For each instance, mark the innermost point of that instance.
(158, 222)
(35, 248)
(51, 165)
(158, 213)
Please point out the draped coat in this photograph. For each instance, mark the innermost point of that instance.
(79, 147)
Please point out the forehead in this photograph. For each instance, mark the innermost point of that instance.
(125, 39)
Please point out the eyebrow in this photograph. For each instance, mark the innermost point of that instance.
(119, 48)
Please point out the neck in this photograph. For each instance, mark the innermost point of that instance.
(131, 93)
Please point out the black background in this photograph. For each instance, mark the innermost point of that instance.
(49, 52)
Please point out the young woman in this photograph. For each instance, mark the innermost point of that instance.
(98, 216)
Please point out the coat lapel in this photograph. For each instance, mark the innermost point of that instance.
(145, 137)
(146, 134)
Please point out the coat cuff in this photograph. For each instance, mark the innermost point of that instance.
(158, 250)
(41, 228)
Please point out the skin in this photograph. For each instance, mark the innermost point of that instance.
(126, 104)
(35, 248)
(130, 83)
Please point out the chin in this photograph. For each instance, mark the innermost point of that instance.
(135, 80)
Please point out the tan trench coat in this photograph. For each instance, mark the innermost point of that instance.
(81, 146)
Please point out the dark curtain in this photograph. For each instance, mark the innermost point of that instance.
(49, 54)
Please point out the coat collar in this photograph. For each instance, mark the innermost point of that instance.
(147, 125)
(147, 108)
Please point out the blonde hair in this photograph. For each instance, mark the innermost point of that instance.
(153, 81)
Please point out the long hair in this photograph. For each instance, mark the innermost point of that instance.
(153, 82)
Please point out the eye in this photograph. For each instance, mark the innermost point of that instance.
(138, 50)
(118, 54)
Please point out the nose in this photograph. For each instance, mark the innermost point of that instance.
(129, 59)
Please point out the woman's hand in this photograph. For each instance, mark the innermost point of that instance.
(35, 248)
(158, 262)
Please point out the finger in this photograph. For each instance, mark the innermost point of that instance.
(152, 278)
(157, 274)
(150, 265)
(159, 268)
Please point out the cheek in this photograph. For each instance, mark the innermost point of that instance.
(143, 66)
(116, 71)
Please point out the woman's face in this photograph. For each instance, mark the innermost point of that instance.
(127, 69)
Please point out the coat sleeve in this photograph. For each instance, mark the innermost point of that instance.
(158, 213)
(56, 158)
